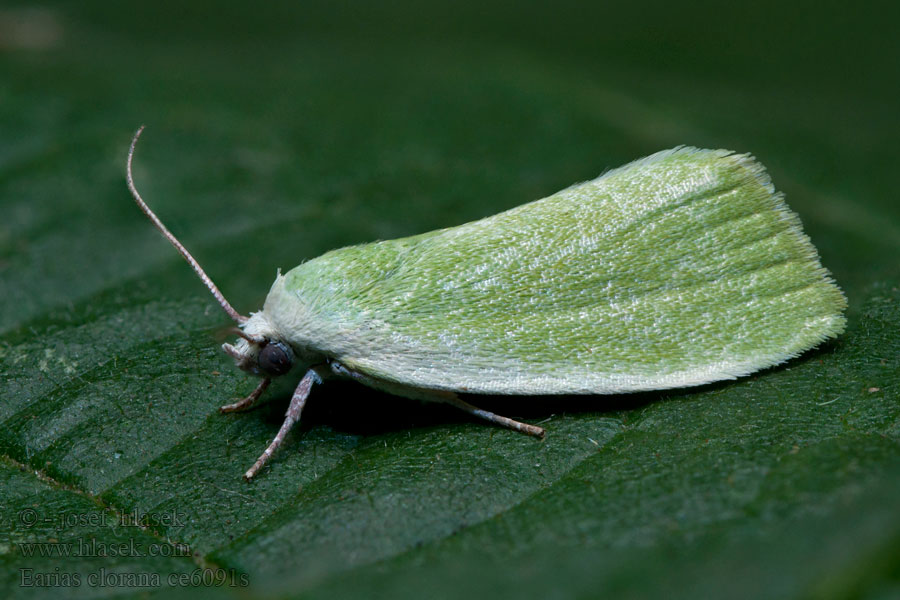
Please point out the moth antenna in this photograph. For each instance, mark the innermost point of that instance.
(214, 290)
(249, 338)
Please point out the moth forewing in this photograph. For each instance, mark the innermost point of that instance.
(680, 269)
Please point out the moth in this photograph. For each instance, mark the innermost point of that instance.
(676, 270)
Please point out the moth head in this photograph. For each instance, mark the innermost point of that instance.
(259, 350)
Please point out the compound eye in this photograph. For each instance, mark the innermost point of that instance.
(276, 358)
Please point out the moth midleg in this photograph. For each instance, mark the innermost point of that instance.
(298, 401)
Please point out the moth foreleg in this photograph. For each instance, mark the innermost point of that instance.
(298, 401)
(249, 401)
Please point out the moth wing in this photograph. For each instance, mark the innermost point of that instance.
(679, 269)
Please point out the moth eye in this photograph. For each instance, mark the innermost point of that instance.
(276, 358)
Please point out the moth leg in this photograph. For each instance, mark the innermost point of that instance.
(298, 401)
(435, 396)
(495, 418)
(249, 401)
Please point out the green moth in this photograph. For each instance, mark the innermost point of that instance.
(679, 269)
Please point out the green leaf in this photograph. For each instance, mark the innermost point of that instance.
(275, 134)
